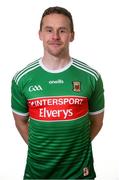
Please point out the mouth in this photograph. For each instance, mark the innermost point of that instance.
(55, 43)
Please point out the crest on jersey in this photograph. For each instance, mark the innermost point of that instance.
(76, 86)
(85, 171)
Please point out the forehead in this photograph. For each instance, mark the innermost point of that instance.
(56, 20)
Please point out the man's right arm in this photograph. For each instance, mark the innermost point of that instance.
(22, 123)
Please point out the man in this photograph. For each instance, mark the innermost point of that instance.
(58, 105)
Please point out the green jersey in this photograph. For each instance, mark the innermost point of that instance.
(58, 104)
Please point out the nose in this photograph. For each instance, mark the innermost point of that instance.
(55, 36)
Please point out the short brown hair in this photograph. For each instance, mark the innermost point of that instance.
(57, 10)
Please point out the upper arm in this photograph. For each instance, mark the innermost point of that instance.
(20, 119)
(96, 124)
(22, 124)
(97, 118)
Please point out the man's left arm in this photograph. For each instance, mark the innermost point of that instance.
(96, 124)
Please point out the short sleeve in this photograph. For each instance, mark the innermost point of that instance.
(18, 100)
(96, 101)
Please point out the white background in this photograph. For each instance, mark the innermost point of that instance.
(96, 43)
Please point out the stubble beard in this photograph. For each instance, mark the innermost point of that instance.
(61, 51)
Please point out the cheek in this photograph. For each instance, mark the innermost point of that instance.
(67, 39)
(44, 39)
(47, 38)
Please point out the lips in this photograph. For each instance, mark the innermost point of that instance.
(54, 43)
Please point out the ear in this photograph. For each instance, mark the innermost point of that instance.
(72, 36)
(40, 35)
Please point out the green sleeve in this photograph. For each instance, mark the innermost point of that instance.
(18, 100)
(96, 101)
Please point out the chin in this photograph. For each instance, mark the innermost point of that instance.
(58, 53)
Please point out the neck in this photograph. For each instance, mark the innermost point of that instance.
(55, 63)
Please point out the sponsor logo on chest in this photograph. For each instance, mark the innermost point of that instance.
(61, 108)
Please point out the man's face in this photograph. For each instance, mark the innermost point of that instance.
(56, 34)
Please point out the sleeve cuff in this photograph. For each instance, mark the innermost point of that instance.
(96, 112)
(20, 113)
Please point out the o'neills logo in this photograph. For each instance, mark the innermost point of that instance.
(58, 108)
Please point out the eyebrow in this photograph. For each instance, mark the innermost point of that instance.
(47, 27)
(50, 27)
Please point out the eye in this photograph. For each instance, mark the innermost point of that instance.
(62, 31)
(48, 30)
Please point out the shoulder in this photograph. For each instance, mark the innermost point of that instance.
(25, 71)
(86, 69)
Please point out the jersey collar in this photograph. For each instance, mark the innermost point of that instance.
(56, 71)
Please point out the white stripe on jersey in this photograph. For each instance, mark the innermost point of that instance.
(85, 68)
(27, 69)
(20, 72)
